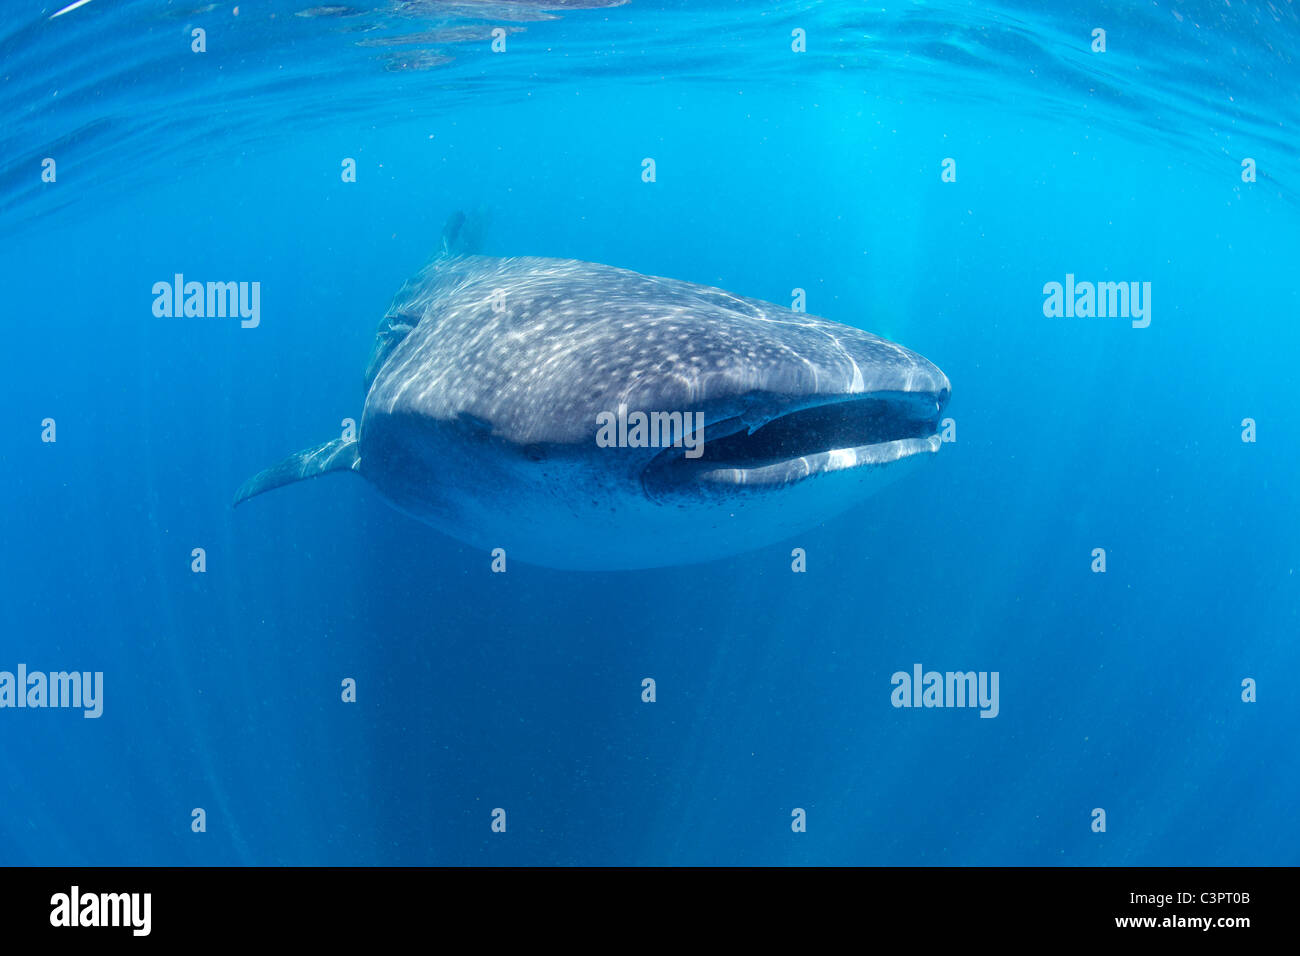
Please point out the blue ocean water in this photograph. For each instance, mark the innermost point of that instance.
(776, 170)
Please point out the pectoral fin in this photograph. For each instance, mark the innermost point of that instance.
(337, 455)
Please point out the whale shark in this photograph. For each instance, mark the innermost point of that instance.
(584, 416)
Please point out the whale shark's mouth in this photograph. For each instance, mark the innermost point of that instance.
(840, 434)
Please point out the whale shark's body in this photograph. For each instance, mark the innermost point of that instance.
(491, 377)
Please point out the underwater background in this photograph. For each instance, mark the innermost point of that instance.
(776, 168)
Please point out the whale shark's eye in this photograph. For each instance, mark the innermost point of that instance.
(401, 322)
(392, 329)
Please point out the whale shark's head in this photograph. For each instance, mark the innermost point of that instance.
(803, 399)
(585, 416)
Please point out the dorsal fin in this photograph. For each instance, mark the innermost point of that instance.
(451, 231)
(463, 234)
